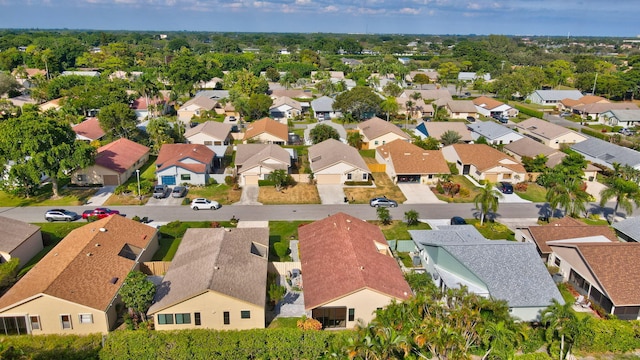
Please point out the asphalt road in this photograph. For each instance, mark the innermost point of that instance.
(298, 212)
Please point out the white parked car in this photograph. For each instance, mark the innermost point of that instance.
(201, 203)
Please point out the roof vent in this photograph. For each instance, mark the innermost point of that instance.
(348, 220)
(216, 268)
(114, 280)
(103, 230)
(227, 229)
(361, 268)
(89, 254)
(97, 245)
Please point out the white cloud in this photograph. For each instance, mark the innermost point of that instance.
(330, 9)
(409, 11)
(303, 2)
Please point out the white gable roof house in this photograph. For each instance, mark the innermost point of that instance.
(553, 97)
(495, 133)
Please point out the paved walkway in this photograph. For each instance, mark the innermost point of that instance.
(249, 195)
(419, 194)
(331, 194)
(594, 188)
(99, 198)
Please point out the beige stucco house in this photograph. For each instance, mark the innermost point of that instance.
(348, 271)
(267, 131)
(408, 163)
(376, 132)
(115, 163)
(74, 288)
(333, 162)
(549, 134)
(461, 109)
(19, 239)
(217, 280)
(195, 107)
(255, 162)
(483, 162)
(210, 133)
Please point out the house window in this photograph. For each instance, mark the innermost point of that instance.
(384, 142)
(506, 176)
(430, 176)
(196, 318)
(183, 318)
(365, 176)
(81, 177)
(35, 322)
(85, 318)
(65, 320)
(185, 177)
(164, 319)
(245, 314)
(348, 176)
(375, 142)
(225, 315)
(352, 314)
(209, 143)
(557, 261)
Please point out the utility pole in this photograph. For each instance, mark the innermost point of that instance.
(593, 91)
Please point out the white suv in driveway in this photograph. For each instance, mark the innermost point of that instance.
(201, 203)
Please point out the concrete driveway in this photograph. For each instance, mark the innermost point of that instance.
(419, 194)
(594, 188)
(512, 198)
(339, 128)
(100, 196)
(249, 195)
(331, 194)
(167, 201)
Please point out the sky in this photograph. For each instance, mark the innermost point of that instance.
(438, 17)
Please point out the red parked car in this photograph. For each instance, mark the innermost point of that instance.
(100, 213)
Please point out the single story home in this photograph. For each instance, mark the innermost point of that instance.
(210, 133)
(438, 94)
(19, 239)
(255, 162)
(195, 107)
(323, 108)
(461, 109)
(437, 129)
(88, 130)
(605, 153)
(333, 162)
(553, 97)
(217, 280)
(548, 133)
(483, 162)
(628, 230)
(494, 133)
(595, 112)
(626, 118)
(376, 132)
(491, 107)
(267, 131)
(74, 288)
(568, 104)
(114, 164)
(184, 164)
(416, 109)
(285, 108)
(408, 163)
(348, 271)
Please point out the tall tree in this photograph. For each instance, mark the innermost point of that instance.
(389, 105)
(625, 192)
(487, 200)
(280, 178)
(355, 139)
(323, 132)
(561, 325)
(360, 101)
(118, 120)
(137, 292)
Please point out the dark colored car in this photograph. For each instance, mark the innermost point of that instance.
(471, 119)
(457, 220)
(160, 191)
(383, 202)
(99, 213)
(506, 188)
(179, 191)
(60, 215)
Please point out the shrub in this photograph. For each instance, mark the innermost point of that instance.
(453, 169)
(136, 218)
(595, 134)
(229, 180)
(281, 249)
(522, 187)
(266, 183)
(212, 181)
(214, 224)
(358, 183)
(308, 324)
(121, 189)
(528, 111)
(464, 192)
(276, 292)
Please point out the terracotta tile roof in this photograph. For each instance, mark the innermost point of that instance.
(485, 157)
(269, 156)
(567, 228)
(120, 155)
(587, 99)
(83, 266)
(435, 129)
(141, 102)
(340, 255)
(215, 129)
(487, 102)
(226, 261)
(269, 126)
(331, 152)
(14, 232)
(89, 129)
(411, 159)
(376, 127)
(177, 154)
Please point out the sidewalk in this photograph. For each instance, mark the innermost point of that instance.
(99, 198)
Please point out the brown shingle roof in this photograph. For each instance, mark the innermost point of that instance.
(120, 155)
(269, 126)
(251, 155)
(340, 255)
(81, 267)
(485, 157)
(587, 99)
(89, 129)
(598, 108)
(331, 152)
(567, 228)
(221, 260)
(176, 154)
(215, 129)
(285, 100)
(542, 128)
(14, 232)
(376, 127)
(462, 106)
(411, 159)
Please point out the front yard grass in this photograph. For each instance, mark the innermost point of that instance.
(535, 193)
(282, 232)
(222, 193)
(399, 230)
(470, 188)
(493, 230)
(299, 193)
(284, 323)
(384, 187)
(52, 233)
(406, 259)
(68, 197)
(125, 199)
(170, 236)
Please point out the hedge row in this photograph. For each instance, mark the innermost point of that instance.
(54, 347)
(358, 183)
(617, 336)
(595, 134)
(528, 111)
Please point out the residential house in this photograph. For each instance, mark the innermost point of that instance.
(81, 73)
(565, 228)
(605, 153)
(19, 239)
(333, 162)
(606, 274)
(628, 230)
(491, 107)
(553, 97)
(217, 280)
(483, 162)
(195, 107)
(213, 83)
(457, 256)
(88, 130)
(430, 73)
(291, 93)
(568, 104)
(210, 133)
(461, 109)
(527, 147)
(125, 75)
(376, 132)
(184, 164)
(24, 76)
(74, 288)
(595, 112)
(408, 163)
(626, 118)
(437, 129)
(214, 94)
(472, 76)
(255, 162)
(51, 105)
(349, 271)
(439, 94)
(323, 108)
(267, 131)
(548, 133)
(144, 106)
(416, 109)
(494, 133)
(285, 108)
(114, 164)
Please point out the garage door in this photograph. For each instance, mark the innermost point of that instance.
(110, 180)
(251, 179)
(408, 178)
(168, 180)
(328, 179)
(491, 177)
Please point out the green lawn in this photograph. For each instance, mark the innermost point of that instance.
(221, 193)
(406, 259)
(534, 193)
(282, 232)
(398, 230)
(492, 230)
(68, 197)
(171, 235)
(52, 233)
(371, 153)
(288, 323)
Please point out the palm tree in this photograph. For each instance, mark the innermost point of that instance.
(389, 105)
(562, 324)
(626, 193)
(411, 217)
(450, 137)
(487, 200)
(500, 340)
(355, 139)
(146, 88)
(409, 105)
(569, 196)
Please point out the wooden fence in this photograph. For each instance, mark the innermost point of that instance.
(301, 178)
(377, 167)
(155, 267)
(282, 268)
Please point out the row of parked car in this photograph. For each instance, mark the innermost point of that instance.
(162, 191)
